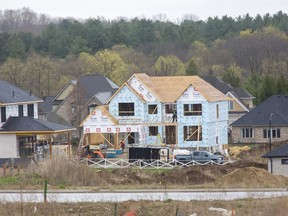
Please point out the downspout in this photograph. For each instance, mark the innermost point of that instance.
(271, 165)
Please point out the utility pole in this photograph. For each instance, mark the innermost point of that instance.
(270, 131)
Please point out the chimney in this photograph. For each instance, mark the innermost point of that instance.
(13, 93)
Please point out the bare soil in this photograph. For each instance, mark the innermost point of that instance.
(244, 173)
(255, 207)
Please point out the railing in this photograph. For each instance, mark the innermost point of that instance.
(143, 164)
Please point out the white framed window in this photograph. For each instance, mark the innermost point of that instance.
(284, 161)
(231, 105)
(247, 133)
(276, 133)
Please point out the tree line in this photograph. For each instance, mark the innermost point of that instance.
(43, 53)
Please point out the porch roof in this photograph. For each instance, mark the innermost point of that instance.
(29, 125)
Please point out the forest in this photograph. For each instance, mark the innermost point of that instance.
(41, 54)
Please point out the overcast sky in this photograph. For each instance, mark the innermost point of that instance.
(173, 9)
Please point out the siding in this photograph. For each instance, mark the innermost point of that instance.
(278, 168)
(8, 144)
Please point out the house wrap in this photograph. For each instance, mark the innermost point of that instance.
(178, 111)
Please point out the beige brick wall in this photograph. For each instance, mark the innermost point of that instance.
(257, 135)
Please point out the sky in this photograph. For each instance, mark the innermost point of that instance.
(173, 10)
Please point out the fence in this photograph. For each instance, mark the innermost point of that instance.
(144, 164)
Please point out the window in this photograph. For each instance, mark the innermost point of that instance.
(3, 114)
(20, 110)
(217, 111)
(275, 133)
(231, 105)
(284, 161)
(152, 109)
(31, 110)
(192, 109)
(191, 133)
(126, 109)
(153, 131)
(169, 108)
(91, 107)
(247, 133)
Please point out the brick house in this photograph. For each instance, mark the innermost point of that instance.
(254, 126)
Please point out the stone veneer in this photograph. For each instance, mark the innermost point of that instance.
(257, 135)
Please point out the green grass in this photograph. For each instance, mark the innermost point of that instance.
(10, 180)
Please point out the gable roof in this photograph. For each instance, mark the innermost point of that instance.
(260, 115)
(90, 85)
(279, 152)
(46, 105)
(11, 94)
(224, 87)
(29, 124)
(169, 88)
(71, 82)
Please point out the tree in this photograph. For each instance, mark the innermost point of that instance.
(16, 46)
(232, 75)
(192, 68)
(14, 71)
(111, 64)
(88, 63)
(41, 69)
(169, 66)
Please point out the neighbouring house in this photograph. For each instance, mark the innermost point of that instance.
(20, 129)
(175, 111)
(45, 112)
(76, 100)
(241, 100)
(268, 118)
(278, 160)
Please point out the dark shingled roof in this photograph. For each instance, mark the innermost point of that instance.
(93, 84)
(279, 152)
(224, 87)
(260, 115)
(12, 94)
(31, 124)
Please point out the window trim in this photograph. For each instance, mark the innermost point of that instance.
(276, 133)
(284, 161)
(247, 131)
(231, 105)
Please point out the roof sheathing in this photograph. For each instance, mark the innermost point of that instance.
(169, 88)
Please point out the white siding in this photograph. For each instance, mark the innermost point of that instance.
(8, 145)
(277, 167)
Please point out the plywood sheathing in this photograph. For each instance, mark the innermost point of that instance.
(169, 88)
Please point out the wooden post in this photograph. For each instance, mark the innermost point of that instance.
(51, 140)
(69, 145)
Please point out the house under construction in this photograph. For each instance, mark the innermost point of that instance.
(175, 111)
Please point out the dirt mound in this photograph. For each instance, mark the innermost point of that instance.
(251, 177)
(191, 175)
